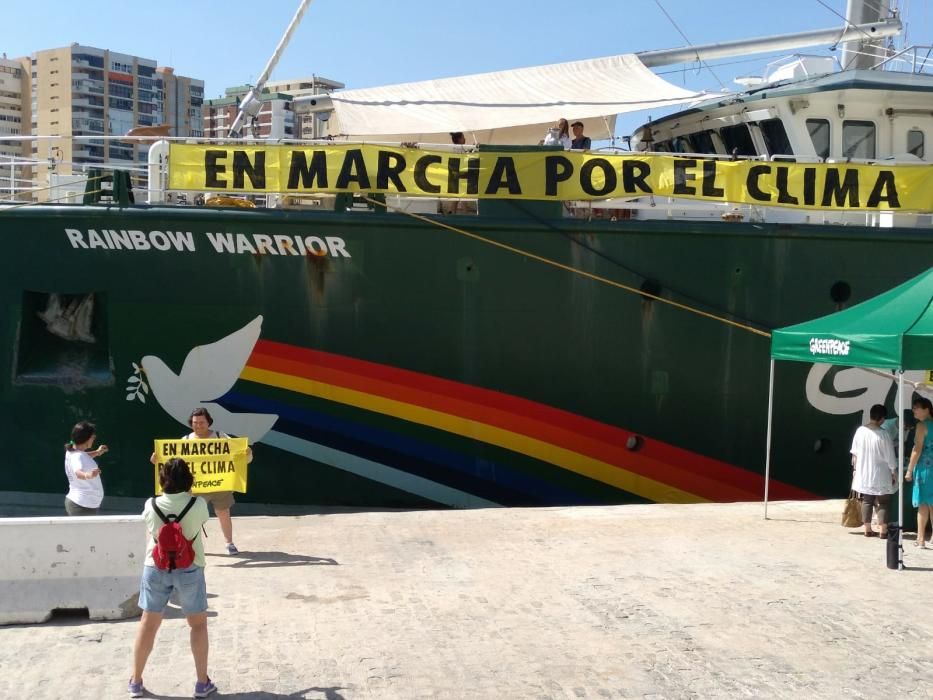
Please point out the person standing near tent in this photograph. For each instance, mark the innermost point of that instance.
(873, 470)
(920, 467)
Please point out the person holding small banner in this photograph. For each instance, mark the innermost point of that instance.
(222, 501)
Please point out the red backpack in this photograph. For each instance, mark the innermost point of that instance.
(172, 549)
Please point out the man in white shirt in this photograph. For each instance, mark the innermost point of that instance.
(873, 469)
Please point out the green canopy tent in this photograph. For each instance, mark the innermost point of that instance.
(892, 331)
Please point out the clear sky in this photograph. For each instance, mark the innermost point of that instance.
(364, 43)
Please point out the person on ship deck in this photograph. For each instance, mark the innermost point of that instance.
(558, 135)
(579, 141)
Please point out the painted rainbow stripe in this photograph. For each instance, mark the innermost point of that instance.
(586, 449)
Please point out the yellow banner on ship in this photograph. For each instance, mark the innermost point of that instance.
(546, 175)
(218, 464)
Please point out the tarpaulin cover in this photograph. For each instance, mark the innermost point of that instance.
(506, 107)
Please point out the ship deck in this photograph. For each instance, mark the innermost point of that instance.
(658, 601)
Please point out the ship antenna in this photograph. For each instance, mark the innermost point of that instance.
(251, 104)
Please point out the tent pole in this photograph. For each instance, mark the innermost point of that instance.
(768, 440)
(900, 471)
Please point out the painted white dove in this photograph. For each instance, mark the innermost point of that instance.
(209, 372)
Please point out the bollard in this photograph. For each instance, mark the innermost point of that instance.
(894, 546)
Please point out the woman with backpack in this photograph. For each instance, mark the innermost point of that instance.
(85, 489)
(174, 562)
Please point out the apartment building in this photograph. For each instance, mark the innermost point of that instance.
(82, 91)
(276, 119)
(181, 99)
(14, 113)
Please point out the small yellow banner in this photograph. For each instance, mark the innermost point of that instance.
(547, 175)
(218, 464)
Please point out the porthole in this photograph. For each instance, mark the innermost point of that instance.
(840, 292)
(651, 286)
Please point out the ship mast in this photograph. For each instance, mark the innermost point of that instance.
(251, 104)
(864, 51)
(852, 35)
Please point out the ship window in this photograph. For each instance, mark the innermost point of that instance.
(63, 340)
(819, 135)
(738, 140)
(703, 142)
(858, 139)
(775, 136)
(682, 145)
(662, 147)
(915, 142)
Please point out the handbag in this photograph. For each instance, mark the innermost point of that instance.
(852, 511)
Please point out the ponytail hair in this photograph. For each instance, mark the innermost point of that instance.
(80, 434)
(564, 126)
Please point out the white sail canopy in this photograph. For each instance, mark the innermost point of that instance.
(506, 107)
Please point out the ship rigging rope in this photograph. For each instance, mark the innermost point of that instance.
(569, 268)
(680, 31)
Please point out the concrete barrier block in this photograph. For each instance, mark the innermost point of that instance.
(91, 562)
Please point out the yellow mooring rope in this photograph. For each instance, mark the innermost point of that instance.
(569, 268)
(539, 258)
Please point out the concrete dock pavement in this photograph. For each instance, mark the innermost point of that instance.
(642, 601)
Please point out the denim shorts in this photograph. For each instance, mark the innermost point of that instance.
(156, 586)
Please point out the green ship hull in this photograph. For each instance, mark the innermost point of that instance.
(401, 364)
